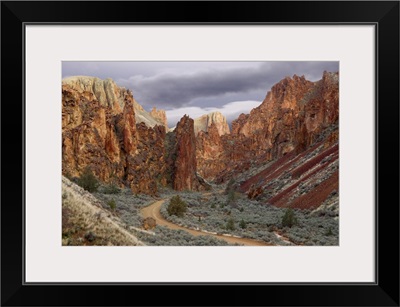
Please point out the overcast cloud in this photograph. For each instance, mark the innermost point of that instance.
(197, 88)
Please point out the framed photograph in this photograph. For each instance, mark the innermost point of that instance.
(241, 146)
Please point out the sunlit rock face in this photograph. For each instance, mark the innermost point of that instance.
(203, 123)
(293, 115)
(100, 131)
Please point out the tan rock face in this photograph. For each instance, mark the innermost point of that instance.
(107, 93)
(204, 122)
(292, 117)
(151, 119)
(160, 115)
(105, 136)
(185, 165)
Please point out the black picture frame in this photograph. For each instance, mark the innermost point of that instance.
(383, 14)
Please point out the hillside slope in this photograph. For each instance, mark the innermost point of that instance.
(305, 181)
(85, 222)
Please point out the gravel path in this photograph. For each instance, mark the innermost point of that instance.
(154, 211)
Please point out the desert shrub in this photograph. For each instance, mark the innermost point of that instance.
(231, 197)
(329, 232)
(230, 225)
(90, 236)
(177, 206)
(112, 204)
(242, 224)
(230, 186)
(88, 181)
(111, 188)
(289, 219)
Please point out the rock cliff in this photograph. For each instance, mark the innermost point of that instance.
(185, 165)
(210, 154)
(106, 92)
(204, 122)
(291, 138)
(292, 116)
(100, 131)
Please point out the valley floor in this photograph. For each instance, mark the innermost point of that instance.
(154, 211)
(212, 218)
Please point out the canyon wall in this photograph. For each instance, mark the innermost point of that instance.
(100, 131)
(106, 130)
(293, 115)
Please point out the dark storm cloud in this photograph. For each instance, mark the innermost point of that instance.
(114, 70)
(177, 89)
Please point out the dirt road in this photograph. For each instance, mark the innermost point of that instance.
(154, 211)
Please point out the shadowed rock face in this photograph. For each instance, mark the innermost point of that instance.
(100, 131)
(293, 116)
(203, 123)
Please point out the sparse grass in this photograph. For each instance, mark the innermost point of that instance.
(255, 220)
(128, 205)
(84, 223)
(252, 219)
(111, 188)
(168, 237)
(230, 225)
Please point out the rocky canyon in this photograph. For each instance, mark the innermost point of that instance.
(283, 153)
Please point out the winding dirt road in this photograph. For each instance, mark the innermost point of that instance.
(154, 211)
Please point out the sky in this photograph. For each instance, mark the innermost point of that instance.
(197, 88)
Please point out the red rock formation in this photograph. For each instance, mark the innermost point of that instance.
(238, 123)
(185, 166)
(209, 153)
(303, 181)
(254, 192)
(322, 106)
(294, 114)
(273, 124)
(129, 129)
(146, 168)
(87, 135)
(296, 126)
(105, 136)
